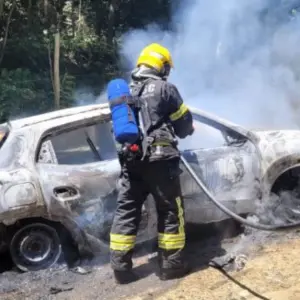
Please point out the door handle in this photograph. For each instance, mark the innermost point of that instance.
(66, 193)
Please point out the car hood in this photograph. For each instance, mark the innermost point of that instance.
(277, 144)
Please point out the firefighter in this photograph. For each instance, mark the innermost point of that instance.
(155, 171)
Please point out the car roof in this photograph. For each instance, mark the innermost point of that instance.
(60, 115)
(100, 111)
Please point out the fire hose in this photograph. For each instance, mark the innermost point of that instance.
(230, 213)
(222, 207)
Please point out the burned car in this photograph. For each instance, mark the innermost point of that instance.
(60, 170)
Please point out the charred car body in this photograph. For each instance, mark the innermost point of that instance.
(59, 172)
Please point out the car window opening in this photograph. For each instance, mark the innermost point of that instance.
(92, 146)
(82, 145)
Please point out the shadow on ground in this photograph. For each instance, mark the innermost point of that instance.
(6, 262)
(204, 242)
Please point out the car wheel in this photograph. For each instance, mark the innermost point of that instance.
(35, 247)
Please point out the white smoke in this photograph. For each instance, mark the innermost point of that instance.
(85, 96)
(231, 62)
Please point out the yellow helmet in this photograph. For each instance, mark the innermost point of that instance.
(155, 56)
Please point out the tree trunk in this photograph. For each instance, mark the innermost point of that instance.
(29, 11)
(1, 7)
(79, 15)
(56, 70)
(6, 30)
(50, 66)
(45, 8)
(73, 19)
(111, 22)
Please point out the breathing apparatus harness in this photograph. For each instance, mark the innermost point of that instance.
(133, 152)
(141, 149)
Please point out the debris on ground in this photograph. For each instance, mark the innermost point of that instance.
(80, 270)
(256, 265)
(56, 290)
(230, 262)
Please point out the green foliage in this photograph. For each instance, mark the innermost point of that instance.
(17, 92)
(24, 93)
(89, 33)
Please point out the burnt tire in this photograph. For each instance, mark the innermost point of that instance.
(35, 247)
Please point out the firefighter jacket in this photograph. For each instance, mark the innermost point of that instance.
(164, 114)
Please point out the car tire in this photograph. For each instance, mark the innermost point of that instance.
(35, 247)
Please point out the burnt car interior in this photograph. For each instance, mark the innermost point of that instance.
(223, 158)
(231, 136)
(79, 145)
(212, 134)
(95, 142)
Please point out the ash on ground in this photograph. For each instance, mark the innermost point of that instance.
(276, 210)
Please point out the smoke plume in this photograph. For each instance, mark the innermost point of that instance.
(238, 59)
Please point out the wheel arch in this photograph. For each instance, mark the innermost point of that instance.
(278, 169)
(64, 226)
(35, 219)
(287, 180)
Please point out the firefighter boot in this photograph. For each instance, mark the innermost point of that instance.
(174, 273)
(125, 277)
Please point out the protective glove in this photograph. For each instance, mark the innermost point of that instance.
(192, 130)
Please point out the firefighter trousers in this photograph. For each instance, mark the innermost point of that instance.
(137, 180)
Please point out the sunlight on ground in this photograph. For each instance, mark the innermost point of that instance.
(274, 275)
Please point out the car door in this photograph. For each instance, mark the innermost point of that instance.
(78, 170)
(229, 165)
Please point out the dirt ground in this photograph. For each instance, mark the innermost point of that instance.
(271, 272)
